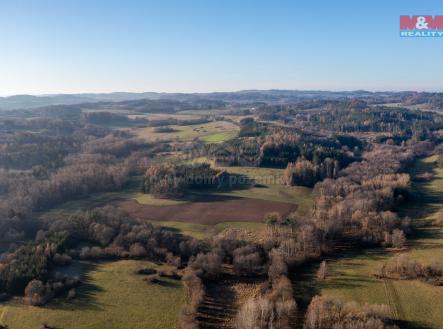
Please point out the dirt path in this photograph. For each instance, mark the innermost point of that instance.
(392, 299)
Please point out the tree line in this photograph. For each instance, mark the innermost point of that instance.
(164, 180)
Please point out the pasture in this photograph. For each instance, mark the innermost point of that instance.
(216, 131)
(200, 231)
(111, 297)
(267, 184)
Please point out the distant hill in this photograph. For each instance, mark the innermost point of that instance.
(29, 101)
(245, 96)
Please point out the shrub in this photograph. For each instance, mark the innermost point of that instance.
(398, 238)
(323, 271)
(328, 313)
(209, 266)
(36, 293)
(402, 267)
(247, 261)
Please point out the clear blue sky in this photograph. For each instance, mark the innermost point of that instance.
(102, 46)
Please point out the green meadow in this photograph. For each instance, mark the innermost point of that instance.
(111, 296)
(211, 132)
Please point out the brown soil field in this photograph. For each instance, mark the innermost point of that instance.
(209, 210)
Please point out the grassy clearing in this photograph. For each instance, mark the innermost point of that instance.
(415, 303)
(352, 278)
(200, 231)
(102, 198)
(218, 138)
(111, 110)
(269, 186)
(204, 112)
(197, 231)
(211, 131)
(428, 244)
(151, 200)
(112, 297)
(179, 116)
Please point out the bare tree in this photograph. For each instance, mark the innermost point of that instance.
(398, 238)
(323, 271)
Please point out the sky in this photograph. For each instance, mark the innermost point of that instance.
(75, 46)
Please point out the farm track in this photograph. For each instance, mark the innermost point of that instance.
(392, 299)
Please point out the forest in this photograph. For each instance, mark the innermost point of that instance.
(353, 154)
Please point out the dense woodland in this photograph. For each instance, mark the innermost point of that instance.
(175, 180)
(260, 145)
(354, 153)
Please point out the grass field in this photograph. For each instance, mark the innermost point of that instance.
(217, 132)
(413, 303)
(112, 297)
(163, 116)
(266, 185)
(149, 199)
(271, 189)
(200, 231)
(218, 138)
(205, 112)
(269, 186)
(240, 203)
(102, 198)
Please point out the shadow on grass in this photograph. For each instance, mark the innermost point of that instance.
(412, 325)
(172, 230)
(424, 201)
(86, 292)
(168, 283)
(306, 285)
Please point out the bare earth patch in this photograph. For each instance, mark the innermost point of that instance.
(209, 210)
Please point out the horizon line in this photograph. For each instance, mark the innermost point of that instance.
(221, 91)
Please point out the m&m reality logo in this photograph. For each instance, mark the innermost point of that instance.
(421, 26)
